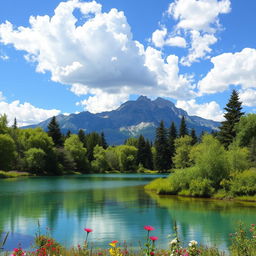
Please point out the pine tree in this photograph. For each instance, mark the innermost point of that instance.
(68, 134)
(103, 141)
(163, 160)
(194, 137)
(81, 136)
(14, 126)
(233, 114)
(141, 154)
(149, 156)
(183, 127)
(54, 132)
(172, 135)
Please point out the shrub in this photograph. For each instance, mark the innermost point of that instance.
(201, 188)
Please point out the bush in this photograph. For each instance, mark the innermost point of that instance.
(201, 188)
(244, 183)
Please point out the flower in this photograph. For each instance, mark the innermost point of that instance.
(114, 242)
(149, 228)
(153, 238)
(174, 241)
(88, 230)
(192, 243)
(152, 253)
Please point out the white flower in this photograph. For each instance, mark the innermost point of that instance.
(174, 241)
(192, 243)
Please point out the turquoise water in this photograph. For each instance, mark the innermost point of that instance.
(115, 206)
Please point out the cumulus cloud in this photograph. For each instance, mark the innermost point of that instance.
(210, 110)
(26, 114)
(199, 20)
(248, 97)
(160, 39)
(4, 57)
(230, 69)
(93, 52)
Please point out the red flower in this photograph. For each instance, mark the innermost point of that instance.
(152, 253)
(88, 230)
(114, 242)
(253, 225)
(149, 228)
(153, 238)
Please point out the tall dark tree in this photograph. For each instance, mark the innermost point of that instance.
(81, 136)
(141, 153)
(68, 134)
(194, 137)
(183, 127)
(14, 126)
(54, 132)
(172, 135)
(103, 141)
(232, 116)
(162, 160)
(149, 159)
(91, 140)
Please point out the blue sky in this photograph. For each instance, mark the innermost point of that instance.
(69, 56)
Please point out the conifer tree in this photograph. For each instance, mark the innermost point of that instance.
(232, 116)
(14, 126)
(172, 135)
(141, 153)
(163, 160)
(103, 141)
(194, 137)
(54, 132)
(81, 136)
(149, 156)
(68, 134)
(183, 127)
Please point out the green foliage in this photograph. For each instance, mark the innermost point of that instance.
(100, 163)
(132, 142)
(232, 116)
(7, 152)
(54, 132)
(194, 137)
(238, 158)
(183, 127)
(3, 124)
(144, 154)
(162, 157)
(244, 183)
(172, 135)
(183, 147)
(35, 159)
(246, 130)
(210, 159)
(78, 152)
(201, 188)
(91, 140)
(126, 157)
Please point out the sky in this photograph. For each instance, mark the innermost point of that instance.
(72, 56)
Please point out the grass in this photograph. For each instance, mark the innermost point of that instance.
(13, 174)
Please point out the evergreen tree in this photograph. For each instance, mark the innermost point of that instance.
(252, 150)
(14, 126)
(141, 153)
(54, 132)
(81, 136)
(233, 114)
(103, 141)
(149, 156)
(172, 135)
(68, 134)
(162, 158)
(183, 127)
(194, 137)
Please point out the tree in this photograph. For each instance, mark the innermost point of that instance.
(103, 141)
(232, 116)
(183, 148)
(100, 163)
(14, 126)
(141, 153)
(91, 140)
(131, 142)
(54, 132)
(183, 127)
(149, 160)
(3, 124)
(194, 137)
(78, 152)
(162, 158)
(7, 152)
(35, 159)
(172, 135)
(81, 136)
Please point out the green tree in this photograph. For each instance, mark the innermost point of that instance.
(7, 152)
(194, 137)
(78, 152)
(82, 137)
(149, 160)
(183, 147)
(232, 116)
(35, 159)
(3, 124)
(162, 159)
(131, 142)
(92, 139)
(141, 153)
(54, 132)
(252, 152)
(100, 163)
(126, 157)
(103, 141)
(172, 135)
(183, 127)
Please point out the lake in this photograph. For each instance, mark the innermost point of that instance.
(116, 207)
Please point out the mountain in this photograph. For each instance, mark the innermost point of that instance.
(132, 118)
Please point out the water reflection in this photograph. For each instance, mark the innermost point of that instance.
(115, 207)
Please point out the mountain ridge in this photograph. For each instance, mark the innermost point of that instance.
(130, 119)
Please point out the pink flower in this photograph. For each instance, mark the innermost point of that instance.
(153, 238)
(152, 253)
(88, 230)
(114, 242)
(149, 228)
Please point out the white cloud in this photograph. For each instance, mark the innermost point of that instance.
(103, 102)
(4, 57)
(210, 110)
(248, 97)
(176, 41)
(200, 46)
(199, 20)
(230, 69)
(2, 96)
(99, 54)
(25, 113)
